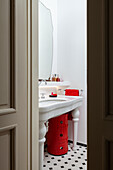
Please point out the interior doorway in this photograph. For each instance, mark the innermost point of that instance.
(63, 57)
(99, 132)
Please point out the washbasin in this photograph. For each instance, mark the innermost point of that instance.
(51, 107)
(51, 101)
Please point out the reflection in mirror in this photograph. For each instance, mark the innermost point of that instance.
(45, 42)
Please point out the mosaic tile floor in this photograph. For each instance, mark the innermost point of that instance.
(73, 160)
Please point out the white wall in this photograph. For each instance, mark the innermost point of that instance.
(71, 59)
(69, 50)
(52, 5)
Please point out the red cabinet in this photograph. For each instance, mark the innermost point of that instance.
(57, 136)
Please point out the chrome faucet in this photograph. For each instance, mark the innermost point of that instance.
(45, 82)
(81, 92)
(42, 81)
(42, 95)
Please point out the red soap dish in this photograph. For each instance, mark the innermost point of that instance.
(53, 95)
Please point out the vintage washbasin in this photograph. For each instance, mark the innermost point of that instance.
(53, 107)
(49, 101)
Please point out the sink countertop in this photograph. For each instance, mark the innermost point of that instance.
(61, 101)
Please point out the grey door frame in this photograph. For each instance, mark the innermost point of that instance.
(33, 116)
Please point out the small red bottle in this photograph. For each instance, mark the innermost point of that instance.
(57, 79)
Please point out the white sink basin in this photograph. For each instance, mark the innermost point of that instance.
(50, 101)
(52, 107)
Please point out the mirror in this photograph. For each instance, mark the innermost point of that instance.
(45, 42)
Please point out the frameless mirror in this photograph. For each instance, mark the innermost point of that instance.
(45, 42)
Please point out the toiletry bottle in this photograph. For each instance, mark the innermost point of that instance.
(53, 77)
(58, 79)
(49, 79)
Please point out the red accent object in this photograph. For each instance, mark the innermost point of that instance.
(71, 92)
(53, 94)
(57, 136)
(58, 79)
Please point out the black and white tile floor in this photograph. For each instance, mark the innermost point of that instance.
(73, 160)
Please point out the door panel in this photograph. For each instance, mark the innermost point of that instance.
(13, 85)
(5, 150)
(111, 155)
(108, 7)
(7, 56)
(100, 84)
(108, 154)
(4, 53)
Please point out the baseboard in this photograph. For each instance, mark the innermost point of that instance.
(70, 141)
(78, 143)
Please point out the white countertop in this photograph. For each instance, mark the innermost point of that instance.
(55, 106)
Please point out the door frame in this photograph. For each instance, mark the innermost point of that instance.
(33, 116)
(33, 110)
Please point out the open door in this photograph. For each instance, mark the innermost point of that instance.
(13, 85)
(100, 85)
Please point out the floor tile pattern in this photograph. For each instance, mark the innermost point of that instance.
(73, 160)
